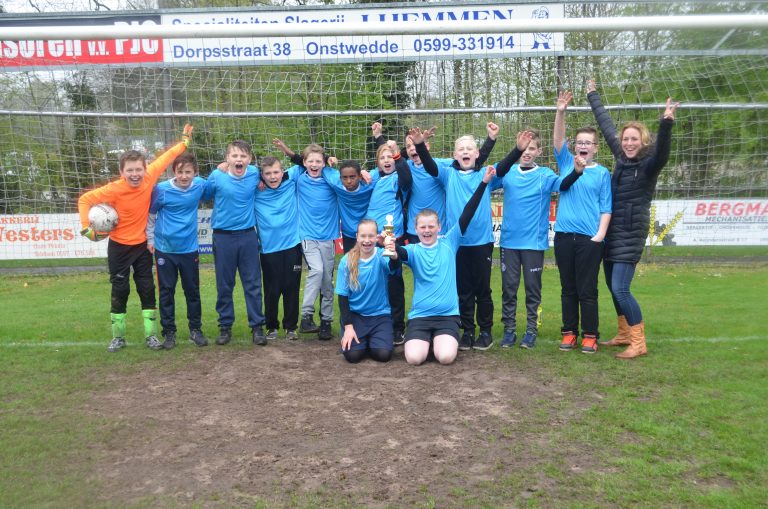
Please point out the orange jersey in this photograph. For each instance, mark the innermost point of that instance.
(131, 204)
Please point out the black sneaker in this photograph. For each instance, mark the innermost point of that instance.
(258, 336)
(170, 340)
(483, 342)
(272, 335)
(399, 338)
(196, 336)
(225, 336)
(325, 333)
(308, 325)
(466, 341)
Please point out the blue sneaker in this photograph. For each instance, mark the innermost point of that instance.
(529, 340)
(509, 339)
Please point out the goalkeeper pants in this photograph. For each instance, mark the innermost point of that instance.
(120, 259)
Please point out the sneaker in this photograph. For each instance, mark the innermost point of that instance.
(483, 342)
(399, 338)
(258, 336)
(569, 341)
(170, 340)
(196, 336)
(588, 344)
(153, 343)
(465, 343)
(291, 334)
(529, 340)
(509, 339)
(116, 344)
(272, 335)
(308, 324)
(225, 336)
(325, 333)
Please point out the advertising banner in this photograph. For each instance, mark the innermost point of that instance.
(25, 55)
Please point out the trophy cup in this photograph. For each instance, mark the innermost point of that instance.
(389, 231)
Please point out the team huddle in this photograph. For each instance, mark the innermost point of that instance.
(430, 214)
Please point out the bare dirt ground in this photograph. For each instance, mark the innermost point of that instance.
(294, 421)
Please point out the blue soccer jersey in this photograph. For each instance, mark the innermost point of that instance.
(427, 193)
(527, 195)
(353, 205)
(434, 276)
(370, 298)
(459, 186)
(233, 199)
(176, 223)
(580, 207)
(318, 209)
(384, 202)
(277, 214)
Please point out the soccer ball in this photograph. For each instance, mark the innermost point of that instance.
(103, 218)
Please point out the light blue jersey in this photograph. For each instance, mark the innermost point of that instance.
(371, 297)
(527, 195)
(353, 205)
(427, 193)
(434, 276)
(175, 228)
(580, 207)
(318, 209)
(277, 214)
(459, 187)
(233, 199)
(384, 202)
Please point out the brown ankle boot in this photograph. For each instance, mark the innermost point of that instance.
(637, 346)
(622, 336)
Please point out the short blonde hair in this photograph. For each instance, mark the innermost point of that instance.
(465, 138)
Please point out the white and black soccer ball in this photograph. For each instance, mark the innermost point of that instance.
(103, 218)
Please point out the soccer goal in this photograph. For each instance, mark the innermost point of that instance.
(88, 86)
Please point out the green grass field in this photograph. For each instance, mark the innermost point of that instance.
(683, 427)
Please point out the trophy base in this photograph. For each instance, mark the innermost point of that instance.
(388, 253)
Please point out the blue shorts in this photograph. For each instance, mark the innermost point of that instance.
(428, 327)
(373, 332)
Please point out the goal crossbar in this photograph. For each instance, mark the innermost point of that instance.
(149, 31)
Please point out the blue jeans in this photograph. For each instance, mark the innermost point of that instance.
(618, 277)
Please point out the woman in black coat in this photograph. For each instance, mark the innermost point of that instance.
(633, 182)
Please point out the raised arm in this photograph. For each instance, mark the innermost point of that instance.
(293, 156)
(663, 145)
(523, 139)
(604, 120)
(430, 166)
(578, 169)
(469, 209)
(404, 177)
(558, 135)
(485, 151)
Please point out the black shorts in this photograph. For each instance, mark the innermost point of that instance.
(430, 326)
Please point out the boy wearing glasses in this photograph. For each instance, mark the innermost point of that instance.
(583, 214)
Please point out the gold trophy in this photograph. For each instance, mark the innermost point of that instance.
(389, 231)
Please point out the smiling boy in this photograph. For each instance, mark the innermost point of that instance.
(130, 196)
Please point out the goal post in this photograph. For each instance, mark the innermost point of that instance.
(80, 88)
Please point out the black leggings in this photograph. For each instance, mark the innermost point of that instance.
(377, 354)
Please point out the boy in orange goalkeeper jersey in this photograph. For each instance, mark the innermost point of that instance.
(130, 196)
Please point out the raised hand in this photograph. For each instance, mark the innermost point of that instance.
(523, 140)
(332, 161)
(669, 112)
(591, 85)
(563, 99)
(376, 129)
(186, 134)
(490, 172)
(428, 133)
(392, 146)
(416, 135)
(492, 129)
(281, 146)
(579, 163)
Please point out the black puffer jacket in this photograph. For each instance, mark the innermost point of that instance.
(632, 185)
